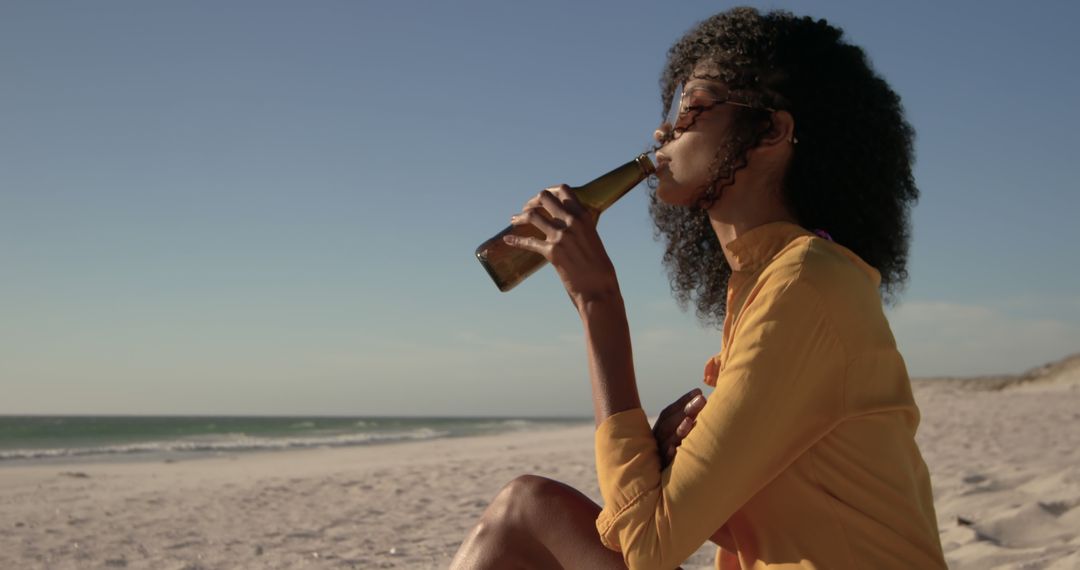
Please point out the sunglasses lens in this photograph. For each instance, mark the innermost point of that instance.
(676, 104)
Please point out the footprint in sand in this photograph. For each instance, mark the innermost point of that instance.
(1030, 525)
(1056, 508)
(981, 484)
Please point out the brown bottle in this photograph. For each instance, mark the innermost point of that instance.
(509, 266)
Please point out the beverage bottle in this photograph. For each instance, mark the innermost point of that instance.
(509, 266)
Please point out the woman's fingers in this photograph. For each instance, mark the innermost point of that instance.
(547, 214)
(529, 243)
(679, 404)
(694, 406)
(671, 445)
(569, 200)
(676, 422)
(673, 414)
(557, 213)
(548, 226)
(681, 431)
(569, 242)
(684, 427)
(533, 202)
(552, 210)
(558, 194)
(557, 206)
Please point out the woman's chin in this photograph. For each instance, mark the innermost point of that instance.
(674, 196)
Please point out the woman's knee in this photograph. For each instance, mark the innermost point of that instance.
(520, 501)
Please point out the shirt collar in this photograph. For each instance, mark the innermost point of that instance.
(753, 249)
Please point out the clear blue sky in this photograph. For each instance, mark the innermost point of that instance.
(271, 207)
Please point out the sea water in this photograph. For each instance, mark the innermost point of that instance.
(59, 438)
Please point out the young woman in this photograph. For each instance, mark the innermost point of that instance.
(782, 191)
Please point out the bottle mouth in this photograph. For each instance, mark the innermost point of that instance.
(647, 164)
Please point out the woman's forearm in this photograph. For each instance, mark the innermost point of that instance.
(611, 361)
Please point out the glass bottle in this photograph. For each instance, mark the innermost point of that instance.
(509, 266)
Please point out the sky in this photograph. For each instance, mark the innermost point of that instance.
(265, 207)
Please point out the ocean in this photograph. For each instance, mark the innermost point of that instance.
(100, 438)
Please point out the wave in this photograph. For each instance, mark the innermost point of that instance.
(225, 442)
(505, 424)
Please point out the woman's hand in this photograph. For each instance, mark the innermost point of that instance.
(571, 244)
(675, 422)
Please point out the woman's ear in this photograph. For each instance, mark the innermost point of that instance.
(782, 130)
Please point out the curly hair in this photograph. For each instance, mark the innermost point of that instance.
(850, 173)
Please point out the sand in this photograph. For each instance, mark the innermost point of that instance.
(1004, 455)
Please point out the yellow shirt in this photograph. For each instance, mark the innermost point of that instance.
(804, 455)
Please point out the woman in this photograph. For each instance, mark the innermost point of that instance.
(782, 190)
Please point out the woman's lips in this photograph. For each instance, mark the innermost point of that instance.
(661, 162)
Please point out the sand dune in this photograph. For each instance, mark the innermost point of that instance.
(1004, 454)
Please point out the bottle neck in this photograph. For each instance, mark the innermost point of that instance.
(601, 193)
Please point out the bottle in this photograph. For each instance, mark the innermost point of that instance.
(509, 266)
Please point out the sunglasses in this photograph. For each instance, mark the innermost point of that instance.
(687, 103)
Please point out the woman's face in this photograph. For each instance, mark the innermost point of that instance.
(686, 164)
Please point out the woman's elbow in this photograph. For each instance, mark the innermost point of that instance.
(646, 548)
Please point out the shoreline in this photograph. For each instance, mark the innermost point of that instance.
(192, 446)
(271, 455)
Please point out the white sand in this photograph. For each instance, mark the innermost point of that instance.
(1004, 455)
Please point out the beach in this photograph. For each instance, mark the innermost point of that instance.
(1004, 455)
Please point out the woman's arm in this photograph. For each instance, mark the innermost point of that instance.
(574, 248)
(611, 361)
(780, 391)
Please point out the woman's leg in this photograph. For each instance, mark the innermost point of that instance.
(535, 522)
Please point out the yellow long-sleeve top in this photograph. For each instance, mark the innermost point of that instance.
(804, 455)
